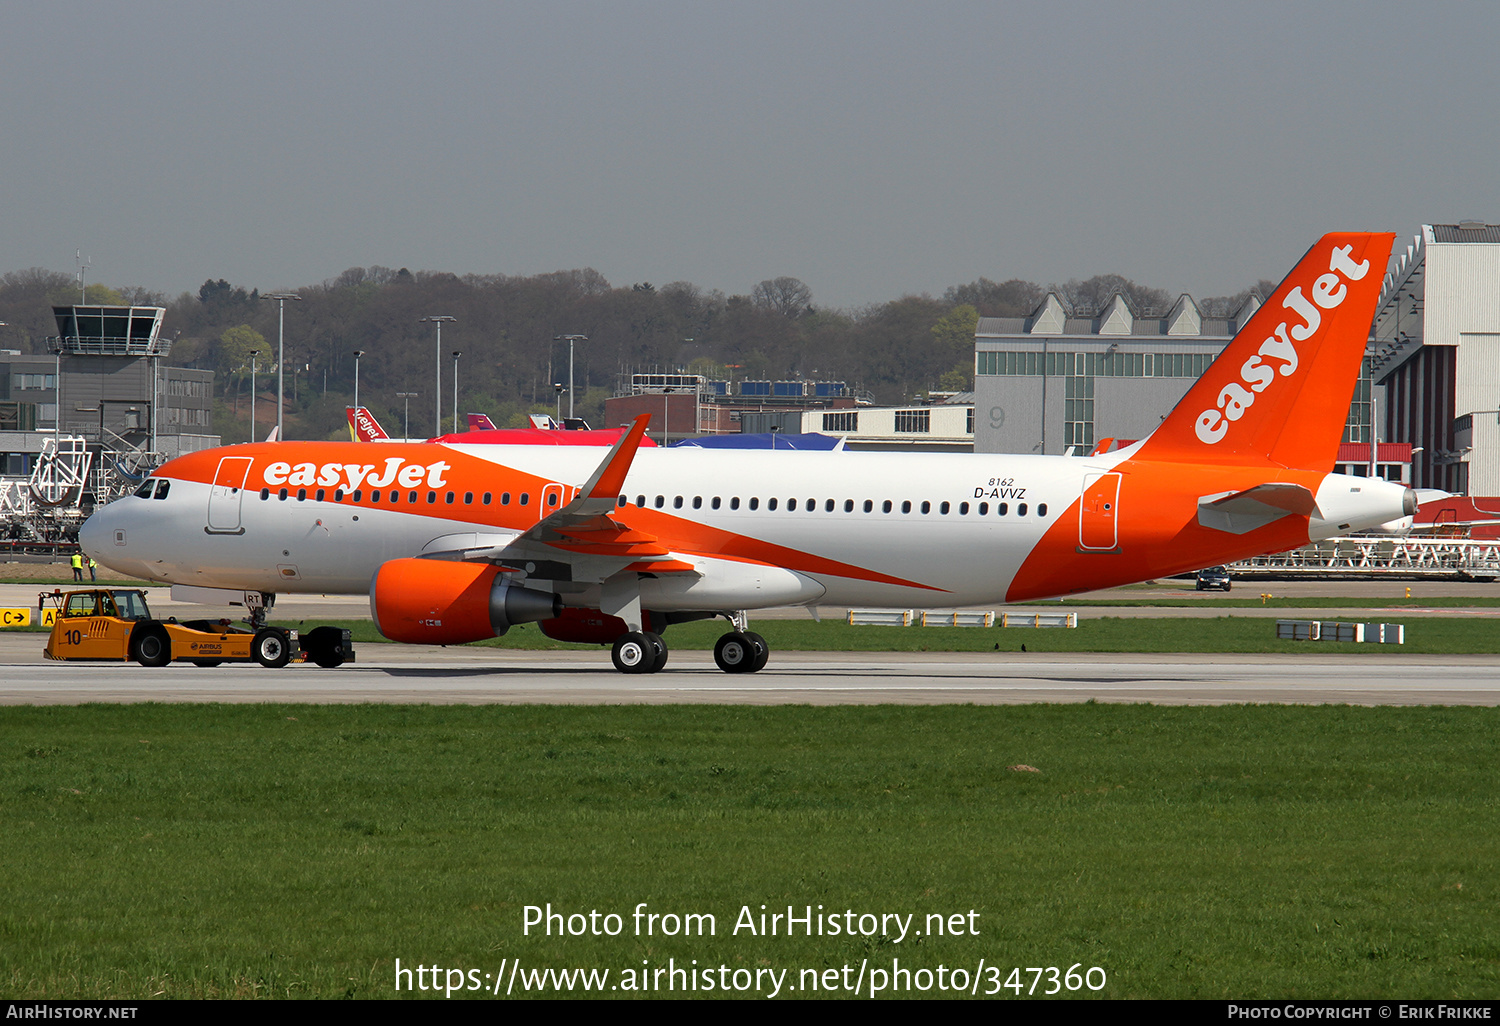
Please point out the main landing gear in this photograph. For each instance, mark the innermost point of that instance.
(639, 652)
(645, 652)
(741, 652)
(642, 651)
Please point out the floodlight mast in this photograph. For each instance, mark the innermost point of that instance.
(570, 340)
(357, 354)
(437, 390)
(281, 298)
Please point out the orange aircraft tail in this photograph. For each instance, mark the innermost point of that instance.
(1279, 393)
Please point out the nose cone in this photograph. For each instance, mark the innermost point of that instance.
(94, 535)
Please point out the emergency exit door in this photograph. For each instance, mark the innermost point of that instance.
(1099, 513)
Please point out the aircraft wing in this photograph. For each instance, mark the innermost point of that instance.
(581, 541)
(1243, 512)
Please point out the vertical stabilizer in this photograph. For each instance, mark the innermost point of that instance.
(1280, 391)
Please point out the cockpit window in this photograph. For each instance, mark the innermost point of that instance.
(145, 490)
(132, 605)
(161, 488)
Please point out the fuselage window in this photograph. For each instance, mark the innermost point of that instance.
(677, 502)
(505, 498)
(320, 495)
(525, 498)
(791, 505)
(1041, 509)
(661, 500)
(396, 496)
(869, 505)
(432, 496)
(640, 500)
(411, 496)
(943, 509)
(486, 497)
(770, 503)
(697, 502)
(338, 495)
(552, 498)
(755, 503)
(963, 509)
(734, 503)
(621, 502)
(715, 502)
(906, 505)
(468, 498)
(301, 494)
(885, 507)
(828, 506)
(448, 498)
(1021, 510)
(848, 505)
(926, 506)
(282, 494)
(1001, 509)
(984, 509)
(359, 494)
(265, 493)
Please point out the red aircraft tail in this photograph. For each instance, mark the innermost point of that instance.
(363, 427)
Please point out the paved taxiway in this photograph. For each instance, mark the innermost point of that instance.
(399, 673)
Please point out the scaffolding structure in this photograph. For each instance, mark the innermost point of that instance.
(1462, 559)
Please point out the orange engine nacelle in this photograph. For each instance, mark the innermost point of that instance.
(591, 627)
(440, 602)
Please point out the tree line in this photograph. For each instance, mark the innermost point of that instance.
(506, 325)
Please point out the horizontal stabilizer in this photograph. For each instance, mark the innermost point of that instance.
(1243, 512)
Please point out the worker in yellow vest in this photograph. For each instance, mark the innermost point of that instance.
(77, 562)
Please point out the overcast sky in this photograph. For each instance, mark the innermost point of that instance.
(871, 149)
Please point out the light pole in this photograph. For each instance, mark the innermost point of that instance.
(281, 298)
(437, 391)
(560, 388)
(665, 392)
(570, 339)
(456, 355)
(408, 397)
(253, 354)
(357, 354)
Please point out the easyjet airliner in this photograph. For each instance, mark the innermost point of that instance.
(457, 542)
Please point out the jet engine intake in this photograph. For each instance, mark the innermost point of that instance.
(441, 602)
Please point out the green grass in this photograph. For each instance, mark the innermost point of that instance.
(277, 851)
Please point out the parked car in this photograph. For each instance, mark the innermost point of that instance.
(1214, 577)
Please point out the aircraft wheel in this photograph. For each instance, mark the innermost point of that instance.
(634, 653)
(152, 647)
(324, 646)
(762, 652)
(271, 648)
(736, 653)
(661, 650)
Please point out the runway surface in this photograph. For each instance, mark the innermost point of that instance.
(398, 673)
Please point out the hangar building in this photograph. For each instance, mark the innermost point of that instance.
(1437, 352)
